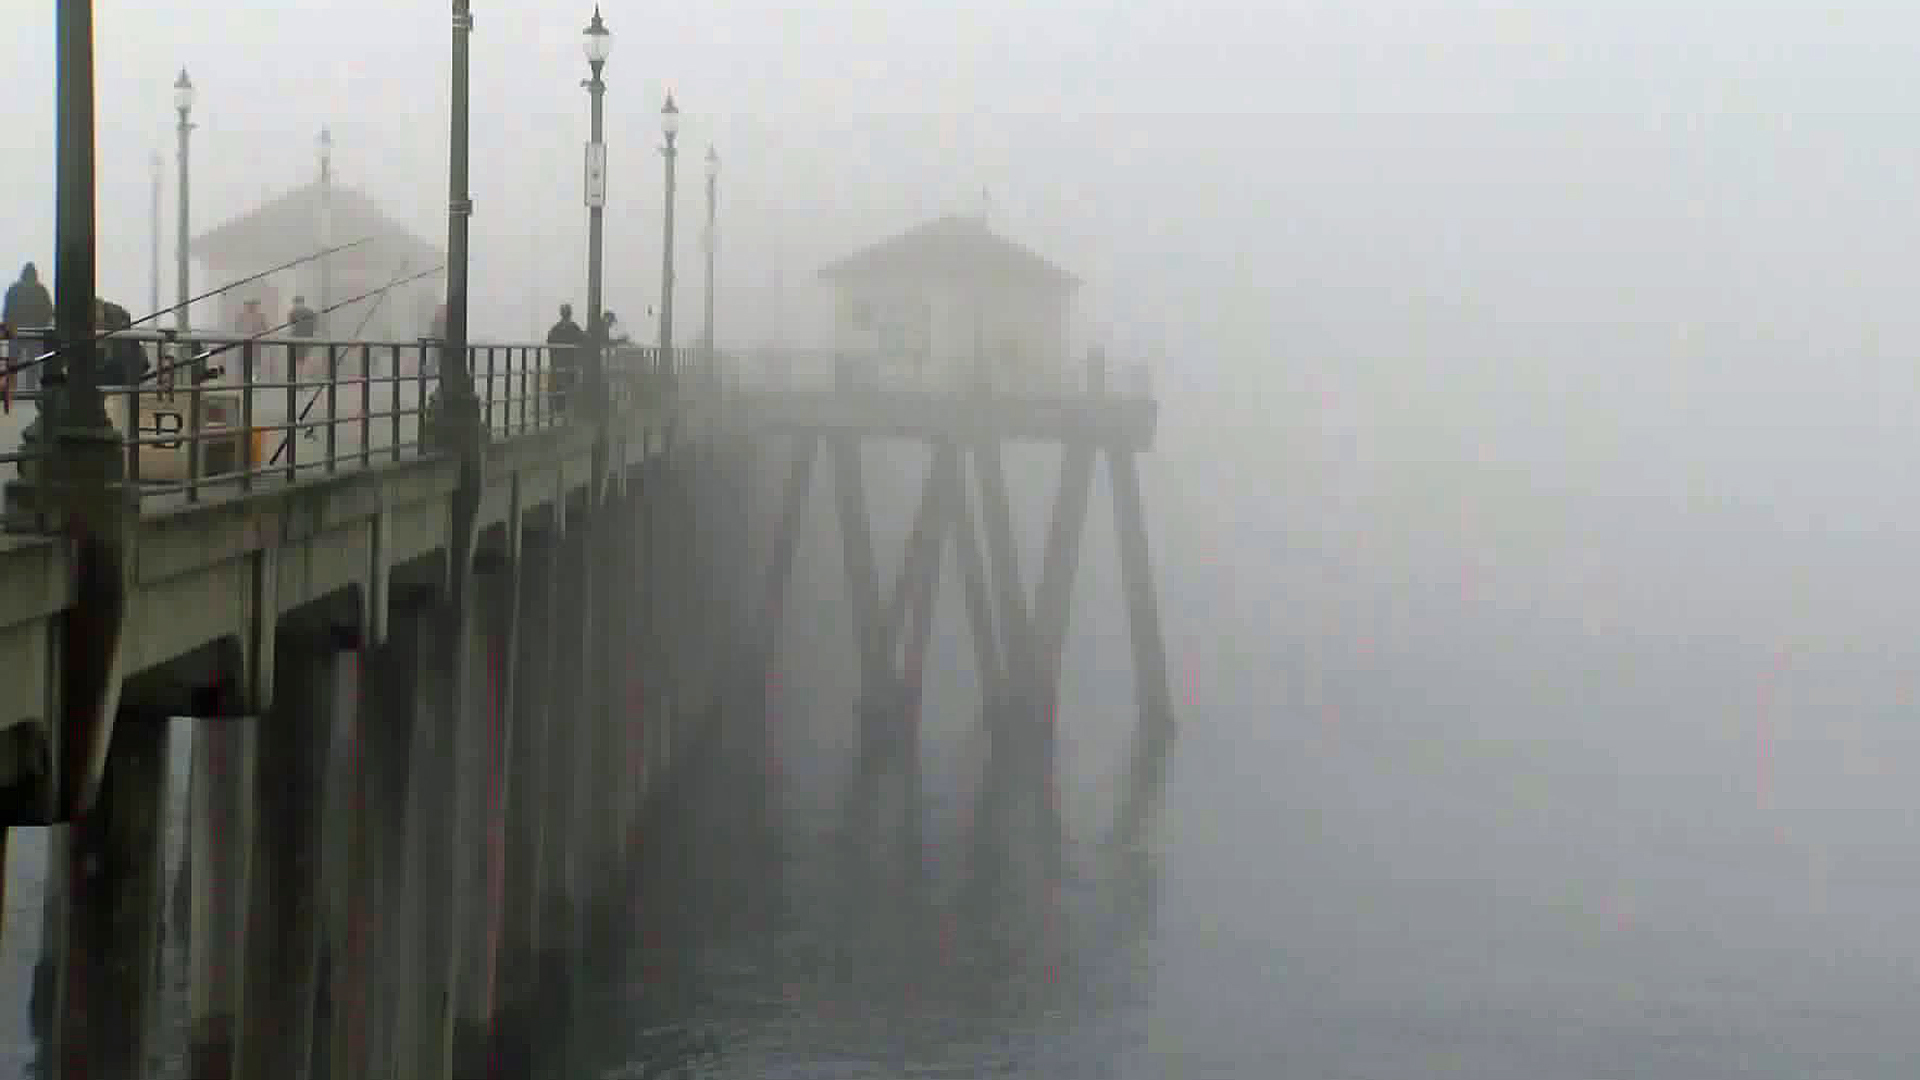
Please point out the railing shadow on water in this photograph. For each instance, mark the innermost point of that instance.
(212, 415)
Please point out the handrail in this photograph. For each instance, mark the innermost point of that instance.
(287, 409)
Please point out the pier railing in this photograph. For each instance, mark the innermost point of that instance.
(826, 369)
(219, 413)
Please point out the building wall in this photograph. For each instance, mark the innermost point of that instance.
(941, 329)
(403, 315)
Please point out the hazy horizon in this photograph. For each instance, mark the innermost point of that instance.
(1538, 398)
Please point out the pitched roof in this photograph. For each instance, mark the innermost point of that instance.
(953, 246)
(285, 228)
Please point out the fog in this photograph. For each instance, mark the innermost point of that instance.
(1529, 500)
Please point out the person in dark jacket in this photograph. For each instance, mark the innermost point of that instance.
(564, 342)
(122, 361)
(305, 322)
(28, 305)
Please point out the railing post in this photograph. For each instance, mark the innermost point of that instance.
(246, 417)
(333, 404)
(195, 437)
(130, 438)
(291, 437)
(488, 422)
(366, 405)
(396, 384)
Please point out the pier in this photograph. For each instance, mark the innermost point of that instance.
(447, 619)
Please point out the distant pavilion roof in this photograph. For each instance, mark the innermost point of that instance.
(285, 229)
(955, 246)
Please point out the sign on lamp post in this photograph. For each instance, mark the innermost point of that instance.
(596, 180)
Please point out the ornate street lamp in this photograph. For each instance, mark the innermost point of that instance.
(183, 95)
(713, 182)
(670, 126)
(597, 43)
(326, 227)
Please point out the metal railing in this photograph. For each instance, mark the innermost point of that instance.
(820, 369)
(220, 413)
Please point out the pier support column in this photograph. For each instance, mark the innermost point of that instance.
(350, 842)
(439, 836)
(275, 1040)
(1153, 740)
(387, 694)
(221, 822)
(602, 761)
(110, 860)
(568, 629)
(527, 806)
(590, 729)
(634, 772)
(487, 733)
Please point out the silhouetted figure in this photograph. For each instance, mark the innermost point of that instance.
(252, 319)
(564, 342)
(122, 362)
(617, 331)
(28, 305)
(438, 332)
(305, 322)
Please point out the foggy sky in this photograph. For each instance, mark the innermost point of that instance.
(1484, 332)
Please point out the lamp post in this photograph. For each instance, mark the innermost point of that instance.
(456, 383)
(597, 43)
(326, 227)
(78, 414)
(183, 104)
(713, 186)
(153, 251)
(670, 125)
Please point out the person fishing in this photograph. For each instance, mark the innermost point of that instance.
(563, 350)
(122, 362)
(303, 323)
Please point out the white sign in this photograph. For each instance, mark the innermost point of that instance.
(596, 174)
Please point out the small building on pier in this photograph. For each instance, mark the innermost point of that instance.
(951, 300)
(296, 225)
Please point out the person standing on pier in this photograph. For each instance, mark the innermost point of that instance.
(563, 342)
(252, 322)
(305, 324)
(28, 305)
(438, 333)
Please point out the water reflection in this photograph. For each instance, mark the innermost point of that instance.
(806, 944)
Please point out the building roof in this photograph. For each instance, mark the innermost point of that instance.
(287, 228)
(955, 246)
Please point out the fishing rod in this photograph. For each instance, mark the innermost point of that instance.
(308, 407)
(250, 278)
(251, 338)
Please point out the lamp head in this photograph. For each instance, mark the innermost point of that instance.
(597, 40)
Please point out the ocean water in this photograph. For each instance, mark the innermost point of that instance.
(1364, 871)
(1411, 890)
(1372, 905)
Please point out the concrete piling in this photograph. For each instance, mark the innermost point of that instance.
(221, 817)
(409, 832)
(526, 810)
(284, 902)
(111, 865)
